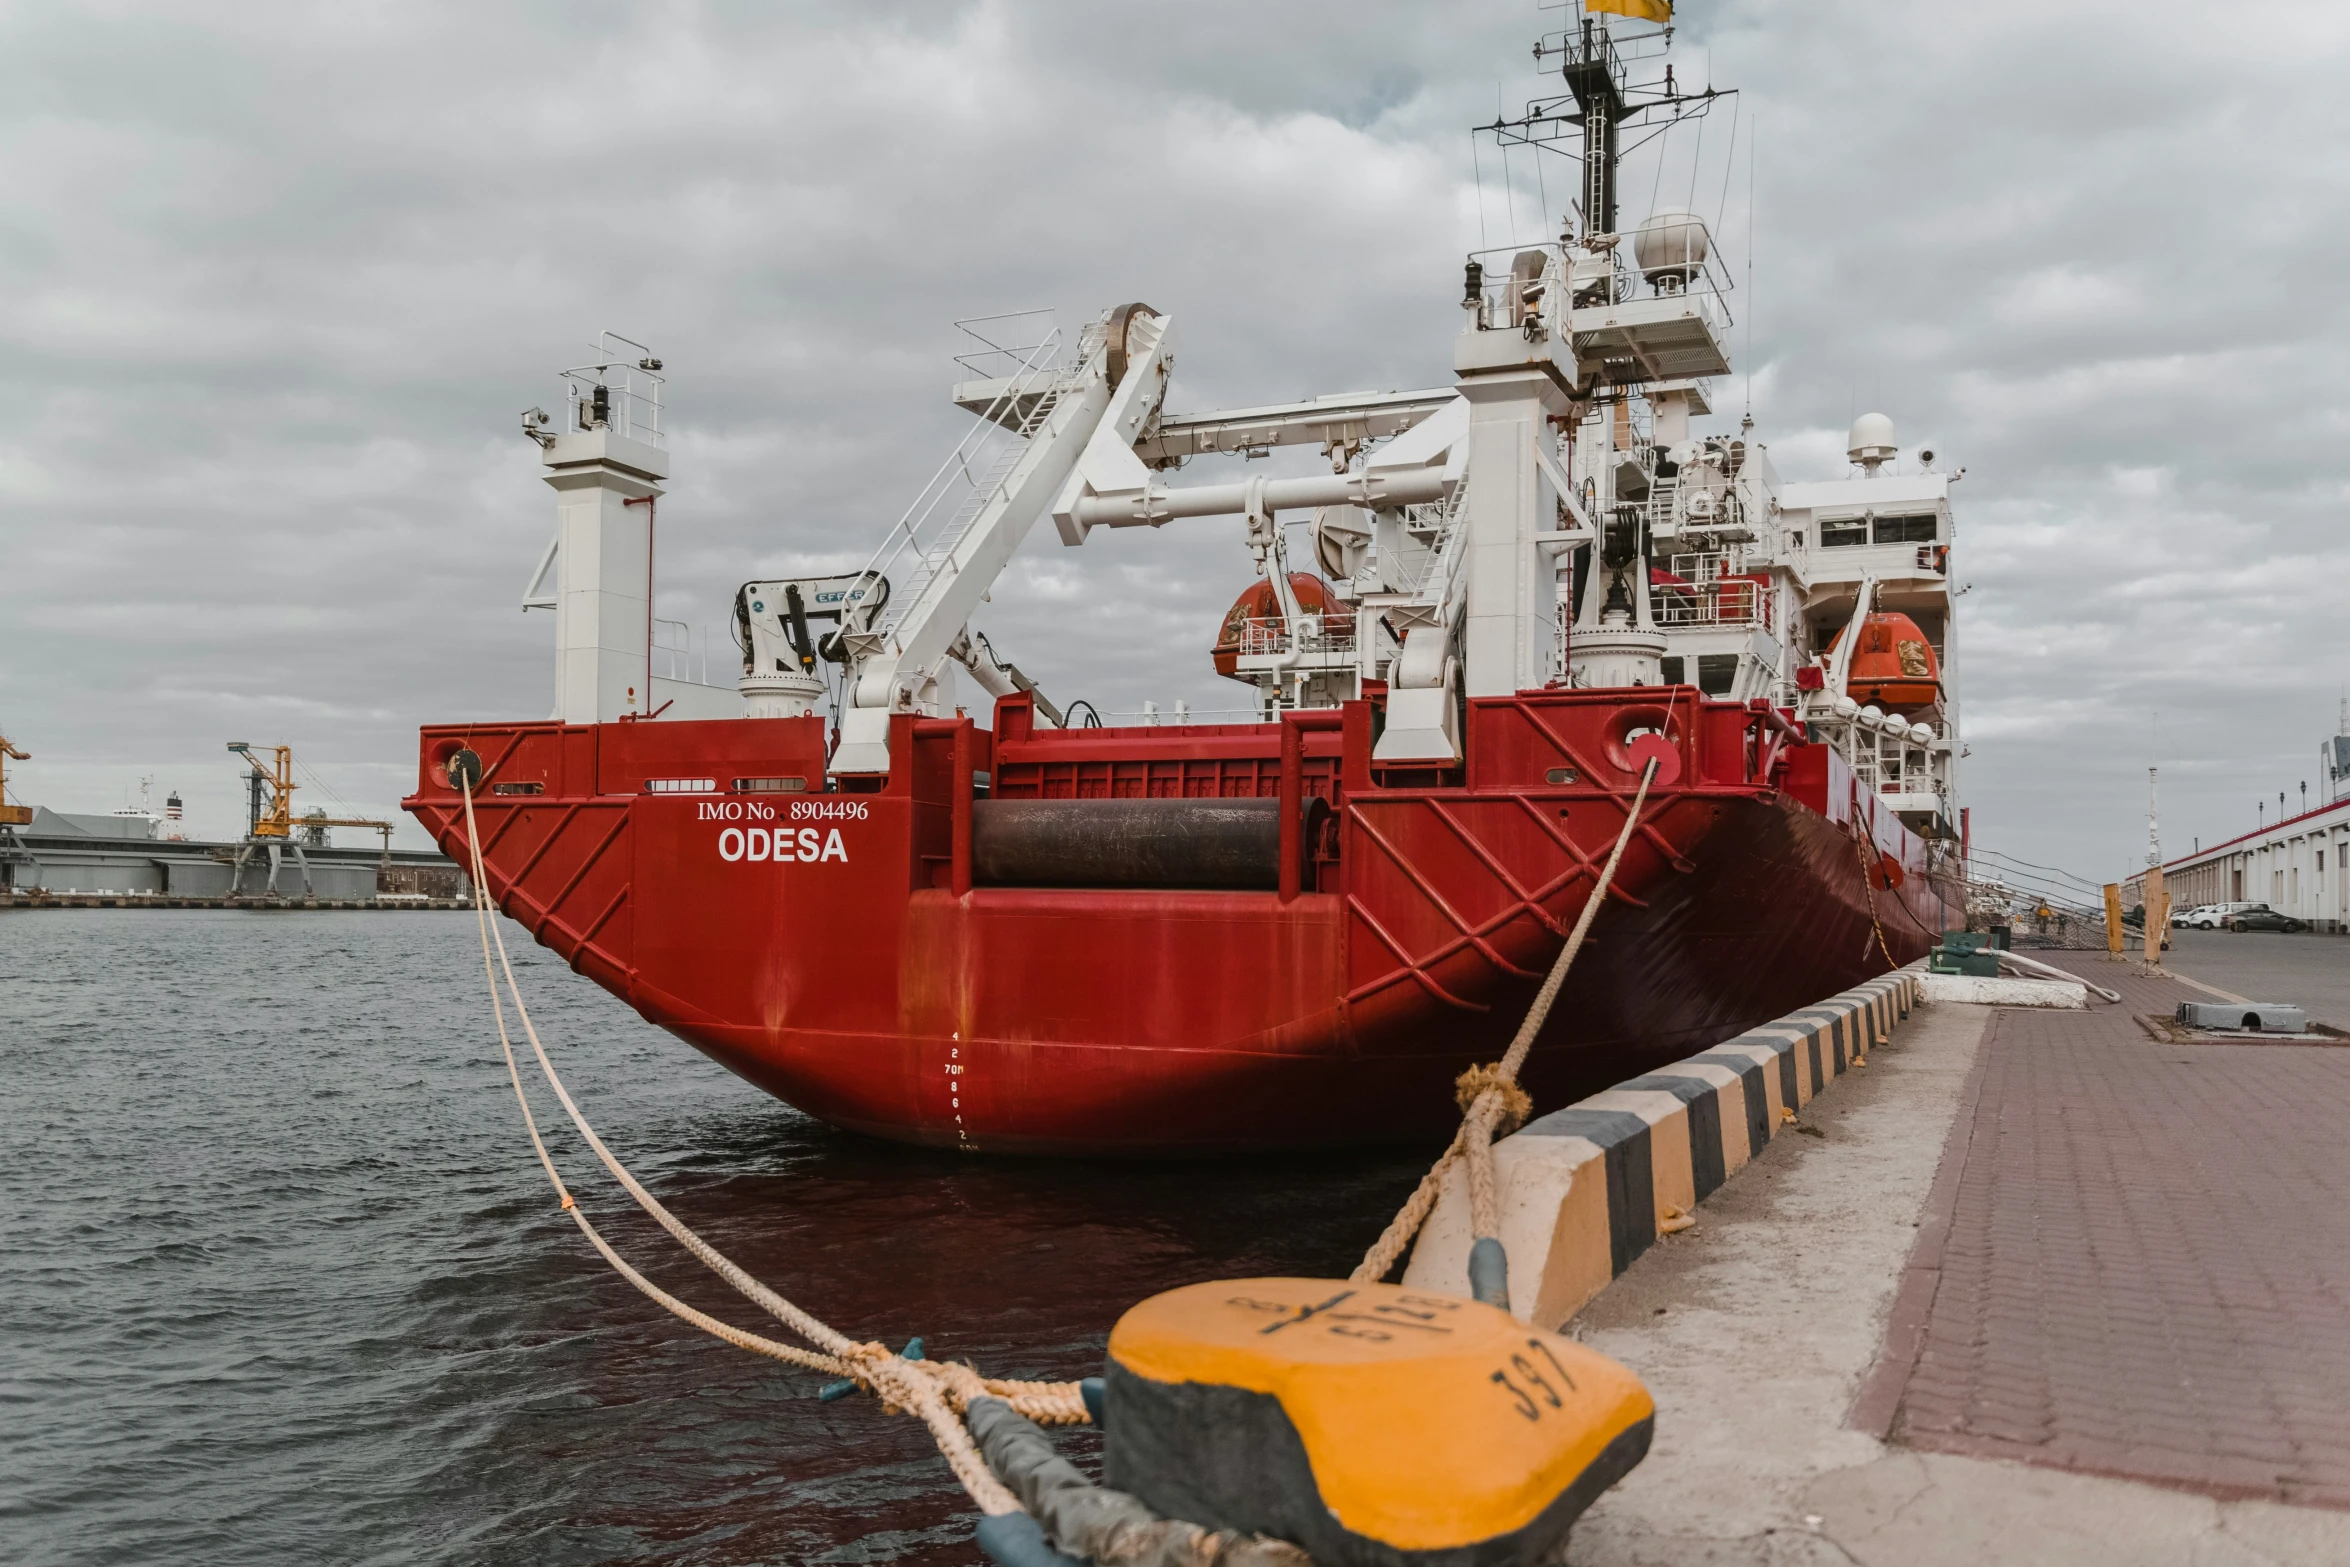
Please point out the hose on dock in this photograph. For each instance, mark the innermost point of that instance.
(938, 1393)
(1491, 1100)
(2051, 971)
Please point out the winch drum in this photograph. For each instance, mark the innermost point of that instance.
(1167, 842)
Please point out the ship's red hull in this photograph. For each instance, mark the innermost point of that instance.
(831, 948)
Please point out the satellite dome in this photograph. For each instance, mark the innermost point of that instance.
(1671, 247)
(1871, 442)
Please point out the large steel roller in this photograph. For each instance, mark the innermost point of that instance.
(1163, 842)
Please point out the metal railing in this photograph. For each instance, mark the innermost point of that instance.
(1884, 762)
(621, 392)
(972, 476)
(1312, 634)
(1152, 716)
(1003, 344)
(673, 659)
(675, 654)
(1707, 590)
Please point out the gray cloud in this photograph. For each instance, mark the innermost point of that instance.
(277, 278)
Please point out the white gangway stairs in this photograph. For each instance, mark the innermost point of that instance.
(979, 471)
(963, 527)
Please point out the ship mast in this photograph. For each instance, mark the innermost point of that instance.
(1626, 347)
(1591, 75)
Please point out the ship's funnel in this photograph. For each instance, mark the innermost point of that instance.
(1670, 249)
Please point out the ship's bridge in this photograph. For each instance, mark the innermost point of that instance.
(1882, 536)
(1890, 527)
(1892, 530)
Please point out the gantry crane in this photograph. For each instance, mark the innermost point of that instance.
(270, 819)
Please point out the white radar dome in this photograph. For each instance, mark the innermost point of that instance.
(1871, 442)
(1670, 247)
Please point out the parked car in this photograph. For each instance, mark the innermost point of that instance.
(2204, 916)
(2262, 917)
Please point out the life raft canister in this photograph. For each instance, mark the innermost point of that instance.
(1373, 1425)
(1893, 665)
(1256, 602)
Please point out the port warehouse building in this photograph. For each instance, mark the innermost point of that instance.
(66, 853)
(2296, 867)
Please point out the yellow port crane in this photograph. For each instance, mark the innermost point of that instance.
(276, 819)
(271, 821)
(12, 815)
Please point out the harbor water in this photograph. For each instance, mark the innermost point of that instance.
(286, 1285)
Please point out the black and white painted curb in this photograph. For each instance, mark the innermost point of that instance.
(1585, 1190)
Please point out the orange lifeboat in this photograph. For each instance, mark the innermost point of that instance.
(1893, 665)
(1256, 602)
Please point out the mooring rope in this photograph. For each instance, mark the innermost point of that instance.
(938, 1393)
(941, 1393)
(1868, 884)
(1490, 1097)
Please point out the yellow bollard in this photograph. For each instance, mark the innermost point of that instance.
(1366, 1422)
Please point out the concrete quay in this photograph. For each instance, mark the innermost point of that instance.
(2036, 1286)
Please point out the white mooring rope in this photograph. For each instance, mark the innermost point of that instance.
(937, 1392)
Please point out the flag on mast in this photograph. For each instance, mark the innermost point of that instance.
(1644, 10)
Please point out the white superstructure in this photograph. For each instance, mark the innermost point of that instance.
(1882, 534)
(605, 463)
(1551, 517)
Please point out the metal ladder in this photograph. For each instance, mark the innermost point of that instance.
(1037, 386)
(984, 489)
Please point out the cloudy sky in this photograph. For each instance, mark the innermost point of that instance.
(276, 279)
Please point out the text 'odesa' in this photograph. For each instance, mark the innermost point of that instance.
(782, 844)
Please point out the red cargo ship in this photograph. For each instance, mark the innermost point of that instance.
(1031, 936)
(851, 967)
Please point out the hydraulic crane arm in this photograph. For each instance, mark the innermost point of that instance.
(775, 621)
(999, 676)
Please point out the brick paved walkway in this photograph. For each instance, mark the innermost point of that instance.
(2137, 1259)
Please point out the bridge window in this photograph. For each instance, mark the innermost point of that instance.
(1844, 530)
(1905, 530)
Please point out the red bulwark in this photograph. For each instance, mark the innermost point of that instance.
(2140, 1263)
(830, 946)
